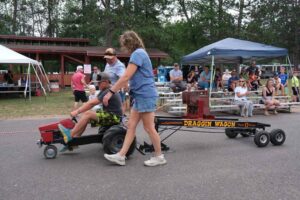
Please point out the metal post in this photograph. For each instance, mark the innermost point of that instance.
(211, 79)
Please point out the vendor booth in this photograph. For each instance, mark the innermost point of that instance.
(8, 56)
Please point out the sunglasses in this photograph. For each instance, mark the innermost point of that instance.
(241, 81)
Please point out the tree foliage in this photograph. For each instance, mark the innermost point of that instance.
(177, 27)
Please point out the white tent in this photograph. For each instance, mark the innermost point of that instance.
(8, 56)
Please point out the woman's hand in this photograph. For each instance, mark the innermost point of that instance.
(106, 98)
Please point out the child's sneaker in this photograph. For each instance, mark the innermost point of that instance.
(267, 113)
(68, 148)
(275, 112)
(66, 133)
(115, 158)
(157, 160)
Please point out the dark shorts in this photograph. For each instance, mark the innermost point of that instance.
(80, 96)
(295, 91)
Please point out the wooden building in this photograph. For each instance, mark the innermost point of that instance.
(74, 50)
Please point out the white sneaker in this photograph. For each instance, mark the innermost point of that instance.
(157, 160)
(115, 158)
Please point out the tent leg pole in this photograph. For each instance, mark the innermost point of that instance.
(211, 79)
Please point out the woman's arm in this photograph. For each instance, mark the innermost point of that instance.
(123, 80)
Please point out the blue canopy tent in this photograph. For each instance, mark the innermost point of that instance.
(232, 50)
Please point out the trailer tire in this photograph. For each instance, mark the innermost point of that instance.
(101, 132)
(277, 137)
(50, 151)
(113, 140)
(262, 138)
(230, 133)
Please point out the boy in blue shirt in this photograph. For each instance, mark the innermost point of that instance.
(284, 80)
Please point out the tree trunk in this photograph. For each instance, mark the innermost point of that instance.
(240, 17)
(220, 19)
(15, 11)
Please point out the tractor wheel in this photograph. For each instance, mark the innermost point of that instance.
(230, 133)
(50, 151)
(262, 138)
(101, 132)
(113, 140)
(277, 137)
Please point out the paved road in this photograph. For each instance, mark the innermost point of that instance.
(203, 166)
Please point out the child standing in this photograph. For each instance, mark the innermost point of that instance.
(295, 88)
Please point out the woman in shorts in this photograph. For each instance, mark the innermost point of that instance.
(139, 73)
(268, 97)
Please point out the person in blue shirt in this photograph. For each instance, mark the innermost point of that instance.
(139, 73)
(204, 79)
(232, 81)
(284, 80)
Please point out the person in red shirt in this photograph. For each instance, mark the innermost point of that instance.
(78, 83)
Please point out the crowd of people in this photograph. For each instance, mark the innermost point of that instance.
(241, 84)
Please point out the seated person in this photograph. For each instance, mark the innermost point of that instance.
(9, 77)
(191, 81)
(226, 76)
(268, 97)
(277, 84)
(232, 81)
(284, 80)
(218, 79)
(204, 80)
(176, 78)
(295, 87)
(110, 115)
(93, 95)
(253, 81)
(240, 98)
(253, 69)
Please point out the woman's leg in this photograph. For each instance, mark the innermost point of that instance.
(148, 122)
(250, 108)
(130, 134)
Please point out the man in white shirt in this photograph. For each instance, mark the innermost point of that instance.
(176, 78)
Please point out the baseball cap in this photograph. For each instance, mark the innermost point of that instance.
(276, 74)
(110, 53)
(103, 77)
(79, 67)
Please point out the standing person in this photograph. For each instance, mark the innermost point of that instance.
(78, 83)
(93, 77)
(295, 87)
(176, 78)
(142, 88)
(268, 97)
(115, 69)
(240, 98)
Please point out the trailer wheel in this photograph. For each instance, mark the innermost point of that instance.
(230, 133)
(113, 140)
(50, 151)
(101, 132)
(277, 137)
(262, 138)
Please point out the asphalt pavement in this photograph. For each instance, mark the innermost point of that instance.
(202, 166)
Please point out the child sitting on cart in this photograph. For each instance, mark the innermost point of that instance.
(110, 115)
